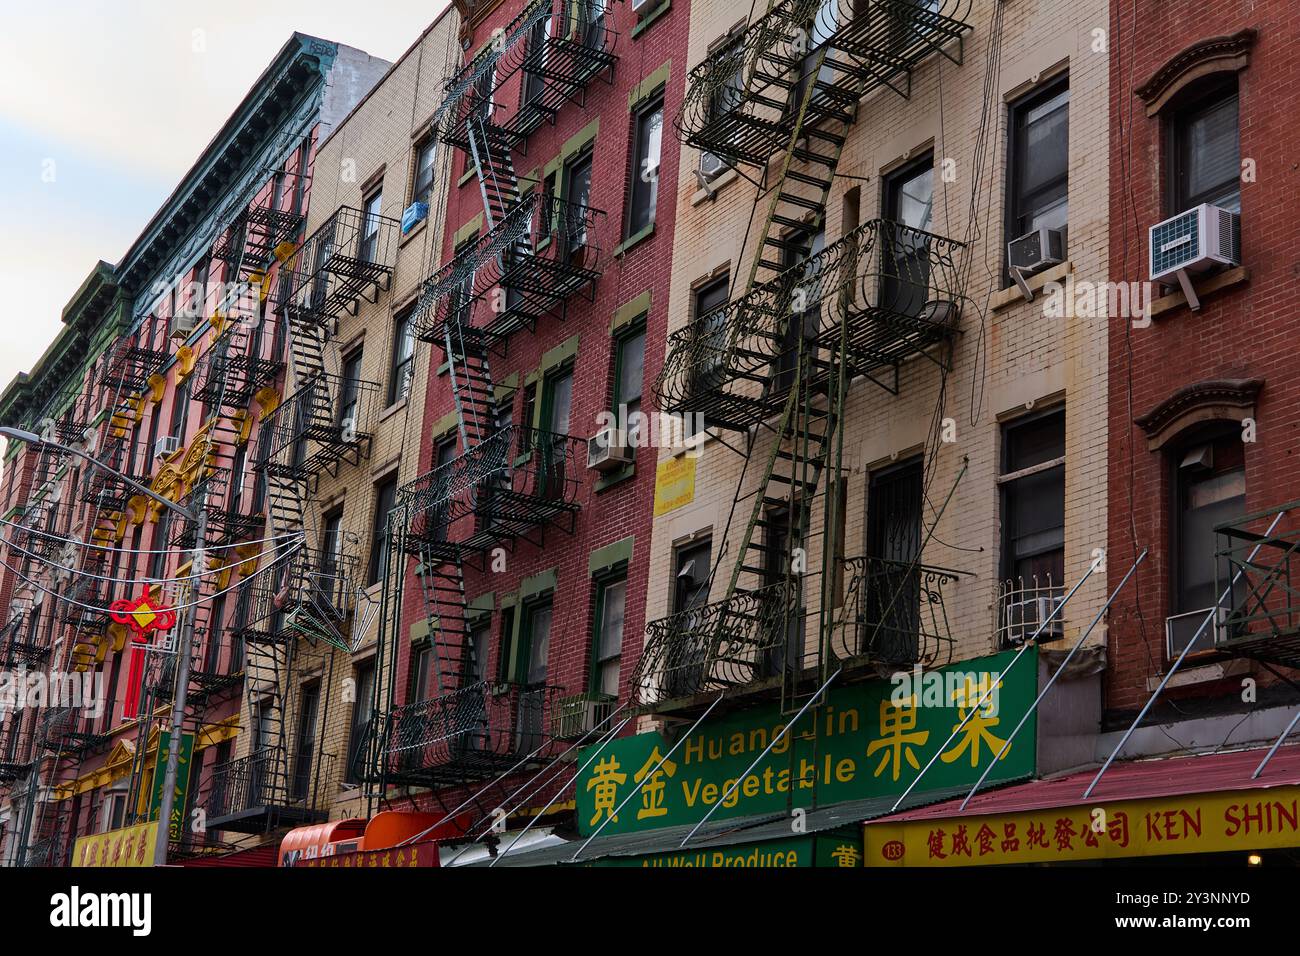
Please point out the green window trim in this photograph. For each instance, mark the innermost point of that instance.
(532, 587)
(481, 607)
(444, 426)
(468, 231)
(650, 18)
(580, 140)
(651, 85)
(608, 481)
(631, 311)
(602, 583)
(611, 557)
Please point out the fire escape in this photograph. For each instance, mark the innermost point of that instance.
(773, 364)
(1260, 621)
(306, 592)
(511, 482)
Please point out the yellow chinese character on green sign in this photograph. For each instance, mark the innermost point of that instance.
(652, 794)
(978, 728)
(605, 781)
(898, 735)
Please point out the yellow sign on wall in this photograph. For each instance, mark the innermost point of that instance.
(131, 846)
(674, 483)
(1239, 820)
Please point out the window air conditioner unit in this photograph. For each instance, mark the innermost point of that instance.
(607, 450)
(1033, 252)
(415, 214)
(1193, 241)
(1180, 628)
(1024, 617)
(579, 715)
(711, 165)
(166, 446)
(183, 325)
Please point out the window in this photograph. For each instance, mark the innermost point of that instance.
(647, 139)
(577, 196)
(180, 411)
(439, 517)
(1039, 170)
(532, 700)
(629, 371)
(300, 181)
(369, 249)
(908, 203)
(305, 740)
(424, 157)
(1205, 151)
(535, 60)
(892, 621)
(385, 499)
(505, 659)
(363, 676)
(480, 632)
(1209, 489)
(611, 605)
(331, 544)
(1033, 501)
(403, 364)
(691, 575)
(421, 661)
(710, 331)
(1032, 565)
(350, 400)
(806, 323)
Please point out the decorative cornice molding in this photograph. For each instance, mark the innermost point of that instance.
(1225, 54)
(1212, 400)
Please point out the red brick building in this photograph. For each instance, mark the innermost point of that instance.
(547, 309)
(1203, 397)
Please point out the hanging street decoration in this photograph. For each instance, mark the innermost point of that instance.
(143, 617)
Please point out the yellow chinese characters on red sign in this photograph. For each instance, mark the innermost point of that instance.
(1240, 820)
(131, 846)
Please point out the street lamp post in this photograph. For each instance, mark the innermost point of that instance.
(200, 520)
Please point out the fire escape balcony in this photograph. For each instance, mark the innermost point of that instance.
(130, 365)
(729, 645)
(216, 663)
(103, 489)
(879, 296)
(228, 520)
(542, 253)
(893, 614)
(540, 60)
(327, 421)
(310, 594)
(251, 795)
(349, 257)
(1261, 618)
(742, 101)
(468, 735)
(511, 486)
(254, 235)
(229, 378)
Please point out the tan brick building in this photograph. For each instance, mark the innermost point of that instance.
(929, 460)
(374, 166)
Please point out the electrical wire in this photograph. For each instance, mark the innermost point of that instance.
(50, 536)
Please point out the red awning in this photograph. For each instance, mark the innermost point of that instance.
(1132, 780)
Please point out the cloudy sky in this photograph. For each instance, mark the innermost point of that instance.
(105, 105)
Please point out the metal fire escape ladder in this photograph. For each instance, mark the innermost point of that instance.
(803, 436)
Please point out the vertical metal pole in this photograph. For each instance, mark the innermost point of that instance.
(1052, 681)
(1214, 612)
(178, 698)
(980, 703)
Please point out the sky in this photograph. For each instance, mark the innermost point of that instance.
(105, 105)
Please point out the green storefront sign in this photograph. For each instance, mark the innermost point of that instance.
(859, 744)
(819, 851)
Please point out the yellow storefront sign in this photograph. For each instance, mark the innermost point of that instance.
(131, 846)
(674, 483)
(1240, 820)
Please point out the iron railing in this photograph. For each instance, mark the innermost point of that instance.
(309, 591)
(742, 101)
(469, 734)
(1022, 605)
(253, 235)
(251, 794)
(542, 253)
(893, 614)
(555, 56)
(327, 420)
(734, 643)
(893, 288)
(1261, 619)
(350, 255)
(130, 363)
(506, 487)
